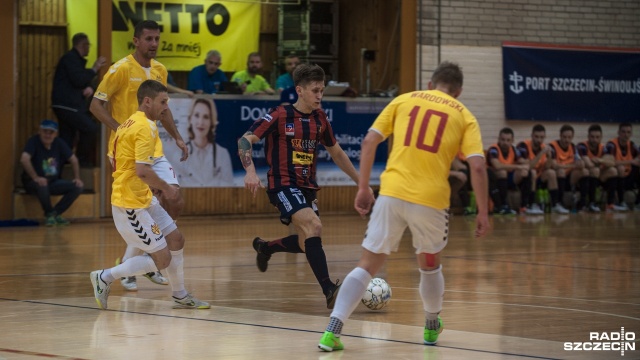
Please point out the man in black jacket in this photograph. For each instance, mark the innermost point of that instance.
(71, 88)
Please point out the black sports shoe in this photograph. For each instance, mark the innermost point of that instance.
(262, 259)
(332, 294)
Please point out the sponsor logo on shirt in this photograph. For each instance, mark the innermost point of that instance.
(299, 144)
(267, 118)
(300, 158)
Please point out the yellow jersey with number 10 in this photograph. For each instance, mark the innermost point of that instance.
(429, 128)
(119, 88)
(133, 143)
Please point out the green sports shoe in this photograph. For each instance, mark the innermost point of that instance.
(61, 221)
(431, 336)
(50, 221)
(330, 342)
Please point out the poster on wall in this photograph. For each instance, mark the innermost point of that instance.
(188, 29)
(213, 159)
(545, 82)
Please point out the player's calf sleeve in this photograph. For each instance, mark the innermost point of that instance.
(318, 261)
(432, 289)
(130, 252)
(351, 291)
(175, 272)
(136, 265)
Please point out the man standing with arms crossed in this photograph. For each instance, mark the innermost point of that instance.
(138, 216)
(429, 128)
(117, 91)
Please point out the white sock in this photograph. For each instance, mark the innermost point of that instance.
(175, 272)
(432, 290)
(350, 294)
(131, 252)
(136, 265)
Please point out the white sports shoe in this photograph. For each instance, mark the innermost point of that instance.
(190, 302)
(594, 208)
(129, 283)
(100, 289)
(534, 209)
(559, 209)
(157, 278)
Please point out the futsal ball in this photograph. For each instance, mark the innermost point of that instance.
(377, 295)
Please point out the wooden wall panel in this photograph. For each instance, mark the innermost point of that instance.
(8, 94)
(42, 39)
(374, 25)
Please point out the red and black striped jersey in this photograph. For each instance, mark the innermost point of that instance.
(291, 145)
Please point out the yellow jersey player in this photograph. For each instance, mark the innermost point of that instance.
(115, 100)
(429, 128)
(138, 216)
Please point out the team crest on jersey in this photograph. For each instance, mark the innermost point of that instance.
(288, 129)
(267, 118)
(155, 229)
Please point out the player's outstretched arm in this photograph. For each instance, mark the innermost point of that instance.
(364, 198)
(479, 183)
(251, 179)
(99, 110)
(145, 173)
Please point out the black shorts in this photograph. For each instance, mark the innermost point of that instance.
(290, 200)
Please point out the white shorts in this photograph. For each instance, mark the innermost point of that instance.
(164, 169)
(144, 228)
(391, 216)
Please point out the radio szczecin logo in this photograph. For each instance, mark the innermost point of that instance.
(605, 341)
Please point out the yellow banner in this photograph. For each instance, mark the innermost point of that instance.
(189, 29)
(83, 17)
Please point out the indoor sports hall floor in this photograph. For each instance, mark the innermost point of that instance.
(533, 285)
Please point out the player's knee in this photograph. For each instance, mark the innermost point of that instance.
(162, 259)
(314, 228)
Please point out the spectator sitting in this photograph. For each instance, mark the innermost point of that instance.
(250, 81)
(71, 89)
(207, 78)
(285, 81)
(42, 160)
(508, 167)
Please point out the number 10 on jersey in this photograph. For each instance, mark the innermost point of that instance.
(424, 123)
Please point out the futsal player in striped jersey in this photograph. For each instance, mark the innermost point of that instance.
(292, 135)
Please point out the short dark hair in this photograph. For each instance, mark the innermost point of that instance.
(594, 127)
(566, 127)
(145, 24)
(77, 38)
(150, 89)
(253, 54)
(450, 74)
(506, 130)
(624, 124)
(307, 73)
(538, 128)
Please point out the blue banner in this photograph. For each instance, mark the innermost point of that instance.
(572, 84)
(350, 121)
